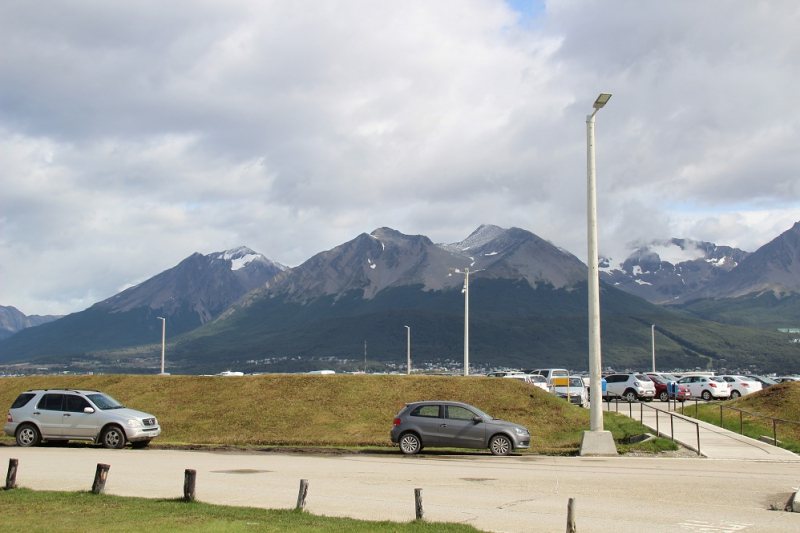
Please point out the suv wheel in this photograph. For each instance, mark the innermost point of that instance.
(113, 437)
(630, 396)
(500, 445)
(28, 435)
(410, 444)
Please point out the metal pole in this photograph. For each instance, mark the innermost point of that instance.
(408, 344)
(596, 415)
(163, 340)
(466, 322)
(653, 342)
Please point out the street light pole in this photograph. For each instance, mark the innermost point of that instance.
(653, 343)
(408, 344)
(163, 340)
(596, 441)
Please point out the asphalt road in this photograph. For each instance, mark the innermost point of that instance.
(524, 493)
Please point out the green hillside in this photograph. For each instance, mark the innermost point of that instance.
(764, 310)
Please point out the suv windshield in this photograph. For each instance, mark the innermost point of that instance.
(104, 401)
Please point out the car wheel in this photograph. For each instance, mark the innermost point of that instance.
(663, 396)
(139, 444)
(410, 444)
(735, 394)
(28, 435)
(706, 395)
(630, 396)
(500, 445)
(113, 437)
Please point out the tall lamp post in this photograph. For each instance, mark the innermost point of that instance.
(596, 441)
(653, 344)
(465, 290)
(163, 340)
(408, 344)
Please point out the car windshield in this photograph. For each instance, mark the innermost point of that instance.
(104, 401)
(575, 382)
(641, 377)
(668, 377)
(659, 379)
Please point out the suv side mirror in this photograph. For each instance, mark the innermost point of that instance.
(88, 410)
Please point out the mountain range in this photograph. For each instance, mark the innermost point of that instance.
(351, 303)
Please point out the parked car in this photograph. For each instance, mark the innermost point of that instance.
(530, 379)
(630, 387)
(741, 385)
(550, 373)
(707, 387)
(61, 414)
(765, 381)
(681, 392)
(455, 425)
(784, 379)
(571, 389)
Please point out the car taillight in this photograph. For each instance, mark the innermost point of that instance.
(713, 385)
(396, 422)
(9, 417)
(745, 385)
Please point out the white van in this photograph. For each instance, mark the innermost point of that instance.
(550, 373)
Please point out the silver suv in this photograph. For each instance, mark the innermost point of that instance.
(455, 425)
(62, 414)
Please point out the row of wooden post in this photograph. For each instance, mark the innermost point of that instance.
(190, 478)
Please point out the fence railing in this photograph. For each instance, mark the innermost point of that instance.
(742, 412)
(672, 417)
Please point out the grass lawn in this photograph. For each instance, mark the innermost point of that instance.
(333, 411)
(32, 511)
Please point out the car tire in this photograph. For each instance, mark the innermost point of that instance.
(500, 445)
(735, 394)
(139, 444)
(113, 437)
(410, 444)
(630, 396)
(706, 395)
(663, 396)
(28, 435)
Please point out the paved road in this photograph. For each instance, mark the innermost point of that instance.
(525, 493)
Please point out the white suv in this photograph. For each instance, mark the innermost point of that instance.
(62, 414)
(630, 387)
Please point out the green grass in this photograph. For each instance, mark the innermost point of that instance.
(34, 511)
(340, 411)
(780, 401)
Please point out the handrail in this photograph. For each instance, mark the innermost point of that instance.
(741, 419)
(672, 417)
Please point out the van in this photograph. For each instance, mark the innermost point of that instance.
(550, 373)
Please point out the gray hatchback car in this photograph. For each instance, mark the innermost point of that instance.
(455, 425)
(62, 414)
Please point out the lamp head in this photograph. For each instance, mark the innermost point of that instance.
(601, 100)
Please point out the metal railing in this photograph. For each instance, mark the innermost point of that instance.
(672, 417)
(742, 412)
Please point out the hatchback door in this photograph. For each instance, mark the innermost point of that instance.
(460, 430)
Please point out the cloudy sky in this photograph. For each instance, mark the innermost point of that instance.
(135, 133)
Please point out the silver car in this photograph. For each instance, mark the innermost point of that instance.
(61, 414)
(455, 425)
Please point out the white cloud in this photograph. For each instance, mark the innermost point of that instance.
(134, 134)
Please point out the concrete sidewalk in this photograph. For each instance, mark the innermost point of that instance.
(714, 442)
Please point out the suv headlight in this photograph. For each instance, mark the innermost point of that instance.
(134, 423)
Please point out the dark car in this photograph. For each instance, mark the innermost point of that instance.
(455, 425)
(662, 389)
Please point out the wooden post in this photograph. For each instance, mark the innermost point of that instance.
(189, 479)
(418, 504)
(301, 496)
(11, 477)
(571, 527)
(100, 476)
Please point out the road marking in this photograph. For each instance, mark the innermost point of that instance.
(708, 527)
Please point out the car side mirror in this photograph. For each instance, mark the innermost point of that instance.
(88, 410)
(477, 419)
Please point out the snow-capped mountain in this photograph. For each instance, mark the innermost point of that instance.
(664, 272)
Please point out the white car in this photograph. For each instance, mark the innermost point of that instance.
(707, 387)
(741, 386)
(571, 389)
(530, 379)
(630, 387)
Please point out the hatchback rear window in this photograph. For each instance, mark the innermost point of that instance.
(22, 400)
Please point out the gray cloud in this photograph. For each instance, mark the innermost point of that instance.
(133, 134)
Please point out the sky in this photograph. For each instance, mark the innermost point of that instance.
(136, 133)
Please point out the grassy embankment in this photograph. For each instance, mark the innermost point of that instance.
(26, 510)
(330, 411)
(779, 401)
